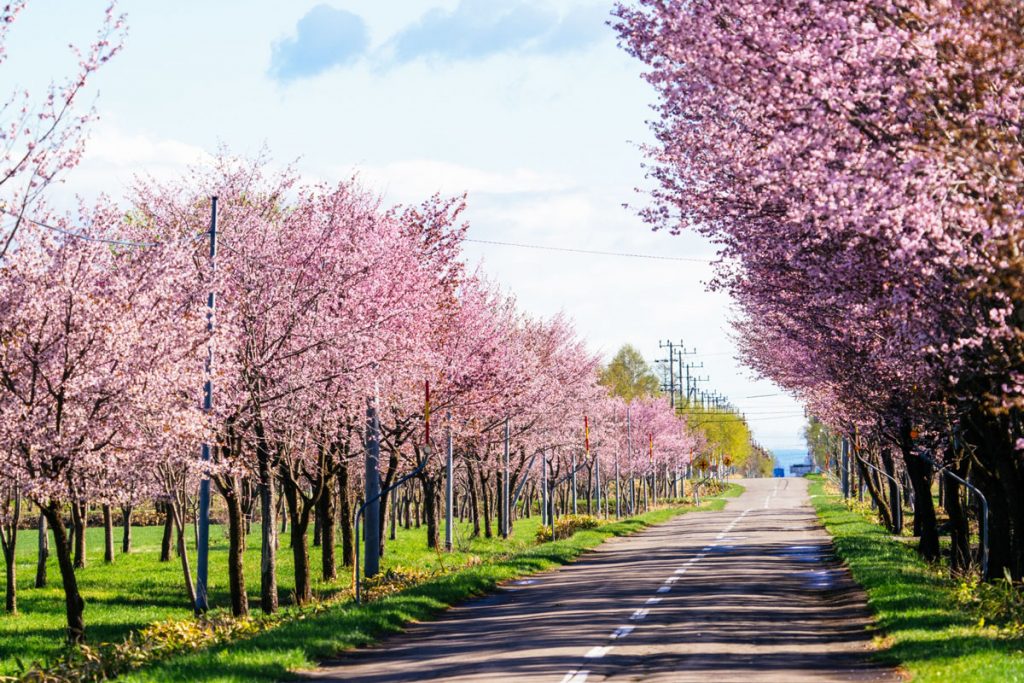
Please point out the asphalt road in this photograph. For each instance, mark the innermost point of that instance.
(747, 594)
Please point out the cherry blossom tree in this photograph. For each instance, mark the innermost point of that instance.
(858, 164)
(84, 324)
(42, 137)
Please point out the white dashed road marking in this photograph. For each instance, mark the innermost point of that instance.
(622, 632)
(597, 652)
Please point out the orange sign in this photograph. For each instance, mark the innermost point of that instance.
(586, 435)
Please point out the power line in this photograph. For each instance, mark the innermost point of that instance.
(87, 238)
(592, 252)
(76, 235)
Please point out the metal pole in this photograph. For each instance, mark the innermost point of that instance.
(572, 480)
(671, 378)
(646, 487)
(845, 474)
(618, 488)
(983, 535)
(362, 509)
(203, 540)
(597, 483)
(394, 516)
(629, 454)
(551, 501)
(449, 489)
(544, 488)
(372, 490)
(505, 507)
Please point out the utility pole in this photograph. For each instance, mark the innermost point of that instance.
(448, 488)
(544, 489)
(572, 480)
(629, 454)
(203, 540)
(687, 367)
(618, 488)
(675, 351)
(845, 473)
(506, 520)
(372, 491)
(695, 380)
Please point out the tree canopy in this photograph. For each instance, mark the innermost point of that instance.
(628, 375)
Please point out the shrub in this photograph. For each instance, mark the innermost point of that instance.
(157, 641)
(392, 581)
(999, 602)
(566, 526)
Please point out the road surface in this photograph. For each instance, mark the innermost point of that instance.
(747, 594)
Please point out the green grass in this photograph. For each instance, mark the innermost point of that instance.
(926, 631)
(137, 590)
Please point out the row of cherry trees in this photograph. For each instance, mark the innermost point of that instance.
(324, 299)
(859, 164)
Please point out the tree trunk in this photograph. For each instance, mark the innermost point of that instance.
(284, 516)
(318, 527)
(236, 551)
(499, 502)
(43, 552)
(488, 501)
(345, 517)
(894, 490)
(165, 543)
(590, 488)
(179, 524)
(126, 528)
(11, 593)
(1011, 481)
(328, 564)
(959, 532)
(920, 472)
(73, 603)
(108, 535)
(9, 544)
(79, 516)
(430, 510)
(474, 500)
(268, 537)
(979, 431)
(299, 512)
(386, 499)
(875, 490)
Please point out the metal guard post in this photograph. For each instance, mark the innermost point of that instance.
(522, 483)
(984, 518)
(899, 502)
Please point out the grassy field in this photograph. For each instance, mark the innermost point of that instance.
(137, 590)
(927, 631)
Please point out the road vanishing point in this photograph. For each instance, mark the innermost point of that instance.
(751, 593)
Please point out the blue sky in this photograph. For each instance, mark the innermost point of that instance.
(528, 106)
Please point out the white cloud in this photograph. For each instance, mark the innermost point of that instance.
(414, 179)
(114, 147)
